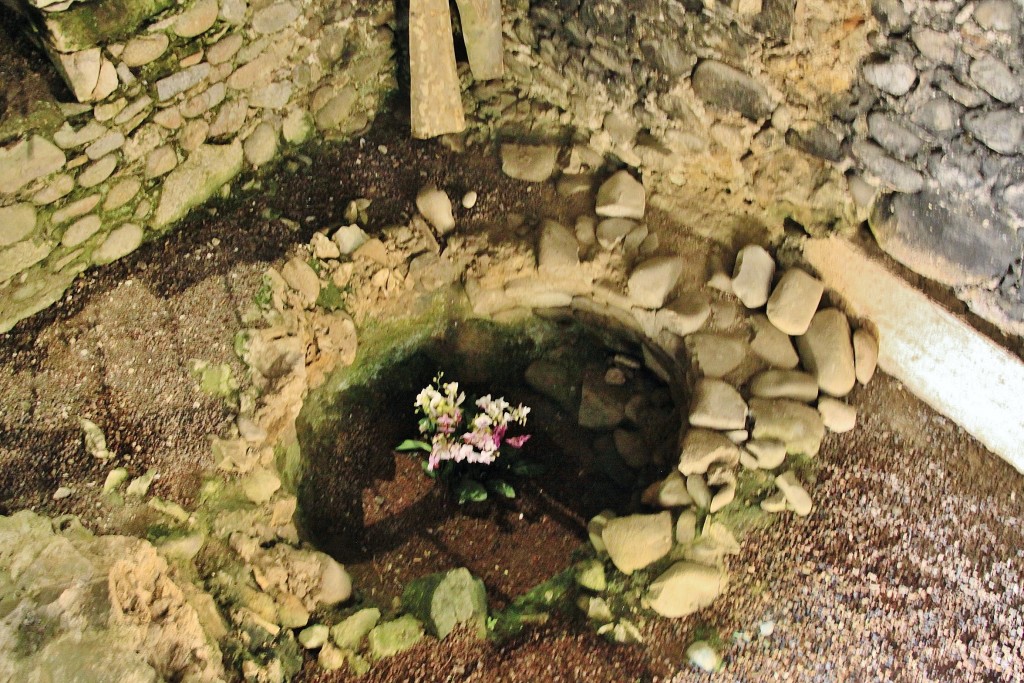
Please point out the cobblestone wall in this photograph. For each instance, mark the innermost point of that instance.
(174, 104)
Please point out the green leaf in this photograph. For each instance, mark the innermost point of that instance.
(525, 468)
(501, 487)
(413, 445)
(470, 491)
(330, 297)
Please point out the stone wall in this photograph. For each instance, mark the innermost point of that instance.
(176, 101)
(938, 128)
(743, 120)
(726, 111)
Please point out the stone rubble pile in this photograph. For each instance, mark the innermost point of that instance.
(178, 100)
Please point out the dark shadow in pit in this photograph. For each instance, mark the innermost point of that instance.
(374, 510)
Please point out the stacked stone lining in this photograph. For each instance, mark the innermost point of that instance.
(189, 99)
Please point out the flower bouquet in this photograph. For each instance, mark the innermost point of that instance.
(470, 462)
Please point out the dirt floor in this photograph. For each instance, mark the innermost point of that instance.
(909, 569)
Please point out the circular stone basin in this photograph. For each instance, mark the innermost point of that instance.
(602, 426)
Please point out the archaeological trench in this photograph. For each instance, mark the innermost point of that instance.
(756, 267)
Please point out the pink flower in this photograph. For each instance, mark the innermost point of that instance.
(517, 441)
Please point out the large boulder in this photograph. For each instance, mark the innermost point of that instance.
(445, 600)
(685, 588)
(635, 541)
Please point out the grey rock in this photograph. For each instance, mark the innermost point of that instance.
(636, 541)
(74, 209)
(96, 173)
(27, 160)
(686, 588)
(313, 637)
(953, 241)
(768, 454)
(837, 416)
(653, 280)
(717, 405)
(799, 386)
(113, 140)
(532, 163)
(752, 275)
(796, 495)
(69, 138)
(895, 137)
(775, 21)
(632, 448)
(699, 491)
(795, 424)
(446, 600)
(433, 203)
(301, 277)
(959, 168)
(197, 19)
(772, 344)
(392, 637)
(935, 45)
(996, 15)
(558, 252)
(826, 351)
(349, 238)
(349, 633)
(716, 355)
(865, 354)
(893, 77)
(224, 49)
(230, 118)
(896, 174)
(671, 56)
(16, 223)
(818, 141)
(794, 301)
(621, 196)
(196, 179)
(601, 406)
(233, 11)
(22, 255)
(685, 314)
(554, 380)
(892, 15)
(143, 49)
(137, 107)
(261, 145)
(968, 96)
(1001, 130)
(612, 231)
(179, 82)
(723, 86)
(996, 79)
(337, 109)
(161, 161)
(204, 101)
(940, 115)
(275, 17)
(120, 242)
